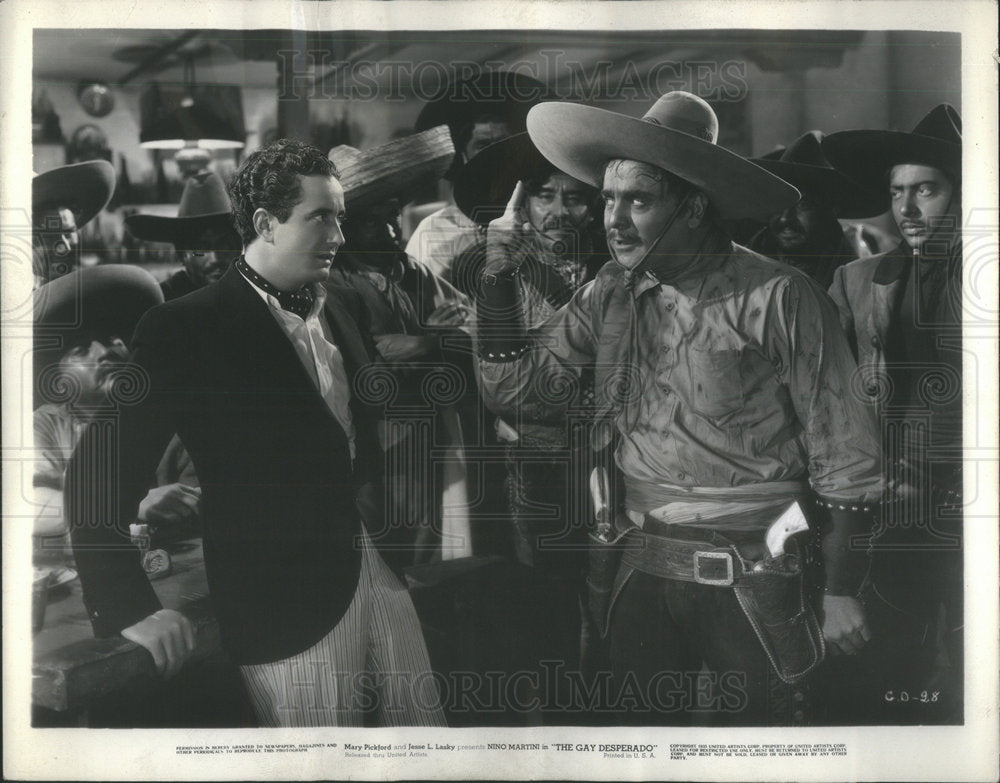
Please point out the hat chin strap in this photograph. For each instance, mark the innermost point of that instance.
(637, 268)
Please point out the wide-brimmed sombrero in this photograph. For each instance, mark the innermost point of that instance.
(483, 186)
(95, 302)
(396, 170)
(866, 156)
(204, 207)
(85, 188)
(804, 165)
(678, 134)
(507, 95)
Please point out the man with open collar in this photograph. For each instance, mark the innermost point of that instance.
(256, 373)
(901, 311)
(726, 376)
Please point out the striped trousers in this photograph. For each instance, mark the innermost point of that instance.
(374, 661)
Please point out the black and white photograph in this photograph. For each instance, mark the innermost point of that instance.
(518, 390)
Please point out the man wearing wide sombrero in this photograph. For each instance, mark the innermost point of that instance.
(64, 200)
(82, 323)
(416, 319)
(727, 379)
(202, 233)
(478, 111)
(902, 313)
(808, 235)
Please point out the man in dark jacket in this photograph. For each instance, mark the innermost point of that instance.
(256, 374)
(901, 311)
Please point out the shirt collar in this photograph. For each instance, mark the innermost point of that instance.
(319, 298)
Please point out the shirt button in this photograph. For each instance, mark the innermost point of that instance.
(875, 341)
(798, 696)
(681, 475)
(799, 715)
(670, 305)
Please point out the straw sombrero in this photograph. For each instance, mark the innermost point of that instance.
(483, 186)
(866, 155)
(678, 134)
(804, 165)
(397, 169)
(204, 207)
(85, 188)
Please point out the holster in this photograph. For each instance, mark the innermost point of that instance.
(772, 595)
(604, 560)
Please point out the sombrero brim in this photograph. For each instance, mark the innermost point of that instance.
(483, 186)
(156, 228)
(580, 140)
(865, 156)
(396, 170)
(506, 94)
(85, 188)
(849, 199)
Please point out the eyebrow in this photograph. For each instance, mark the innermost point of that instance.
(915, 184)
(633, 193)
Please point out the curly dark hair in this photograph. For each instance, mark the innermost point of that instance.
(269, 179)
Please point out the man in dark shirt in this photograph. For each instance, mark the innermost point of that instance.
(901, 311)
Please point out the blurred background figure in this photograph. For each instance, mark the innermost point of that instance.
(419, 322)
(202, 234)
(478, 112)
(63, 200)
(808, 235)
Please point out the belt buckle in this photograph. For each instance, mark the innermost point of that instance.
(720, 582)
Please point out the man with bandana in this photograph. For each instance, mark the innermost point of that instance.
(727, 379)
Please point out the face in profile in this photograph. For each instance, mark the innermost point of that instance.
(925, 203)
(305, 244)
(559, 208)
(56, 244)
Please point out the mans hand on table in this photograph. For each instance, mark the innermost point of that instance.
(169, 637)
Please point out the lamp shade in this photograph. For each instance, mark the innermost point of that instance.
(175, 116)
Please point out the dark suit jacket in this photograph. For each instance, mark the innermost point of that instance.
(278, 490)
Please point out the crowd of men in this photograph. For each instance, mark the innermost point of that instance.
(741, 461)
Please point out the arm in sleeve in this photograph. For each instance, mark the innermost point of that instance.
(110, 471)
(840, 430)
(536, 385)
(838, 293)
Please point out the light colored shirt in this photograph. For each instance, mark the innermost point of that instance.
(740, 373)
(440, 238)
(313, 342)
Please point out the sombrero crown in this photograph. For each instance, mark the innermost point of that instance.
(867, 155)
(85, 188)
(204, 207)
(804, 165)
(394, 170)
(678, 134)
